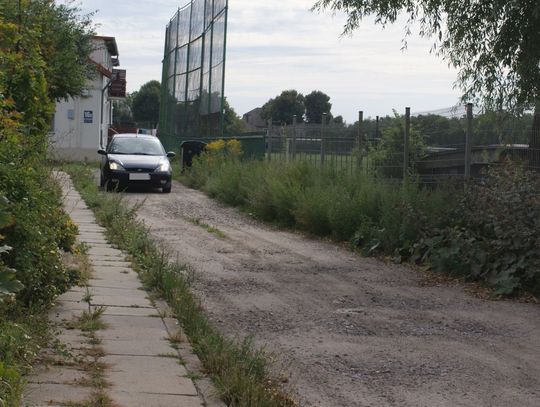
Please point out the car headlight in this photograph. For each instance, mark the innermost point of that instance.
(115, 166)
(165, 166)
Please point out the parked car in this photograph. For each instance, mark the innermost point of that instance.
(135, 159)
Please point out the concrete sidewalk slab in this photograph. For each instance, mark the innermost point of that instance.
(154, 400)
(105, 282)
(117, 291)
(122, 288)
(121, 301)
(106, 252)
(132, 312)
(46, 394)
(142, 368)
(137, 347)
(132, 372)
(109, 263)
(57, 375)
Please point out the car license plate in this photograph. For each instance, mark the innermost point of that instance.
(139, 177)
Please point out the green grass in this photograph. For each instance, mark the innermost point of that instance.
(239, 370)
(90, 321)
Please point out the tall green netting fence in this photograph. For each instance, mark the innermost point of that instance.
(194, 73)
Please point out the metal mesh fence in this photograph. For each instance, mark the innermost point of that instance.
(193, 73)
(432, 148)
(325, 145)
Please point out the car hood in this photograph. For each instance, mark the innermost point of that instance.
(137, 161)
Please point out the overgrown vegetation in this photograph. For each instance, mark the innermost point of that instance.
(486, 232)
(239, 371)
(21, 339)
(43, 56)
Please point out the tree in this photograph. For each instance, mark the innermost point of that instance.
(317, 103)
(145, 106)
(339, 120)
(439, 130)
(64, 41)
(494, 44)
(123, 109)
(44, 51)
(232, 123)
(283, 107)
(386, 155)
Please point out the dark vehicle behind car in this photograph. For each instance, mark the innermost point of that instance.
(135, 159)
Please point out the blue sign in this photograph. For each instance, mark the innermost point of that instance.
(88, 116)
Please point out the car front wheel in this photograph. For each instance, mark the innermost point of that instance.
(166, 189)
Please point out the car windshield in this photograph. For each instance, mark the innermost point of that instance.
(136, 145)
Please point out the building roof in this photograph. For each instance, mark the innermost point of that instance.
(253, 119)
(110, 43)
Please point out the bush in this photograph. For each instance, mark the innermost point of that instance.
(495, 234)
(40, 229)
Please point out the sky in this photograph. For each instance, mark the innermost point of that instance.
(272, 48)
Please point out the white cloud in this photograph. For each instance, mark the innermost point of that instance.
(274, 46)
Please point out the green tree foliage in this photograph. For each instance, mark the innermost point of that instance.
(282, 108)
(339, 120)
(63, 37)
(495, 44)
(317, 103)
(123, 109)
(23, 86)
(232, 123)
(145, 104)
(440, 131)
(502, 128)
(386, 153)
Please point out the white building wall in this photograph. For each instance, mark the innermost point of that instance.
(77, 132)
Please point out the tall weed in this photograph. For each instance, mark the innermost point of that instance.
(487, 231)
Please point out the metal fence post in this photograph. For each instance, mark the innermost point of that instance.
(534, 141)
(293, 147)
(359, 139)
(269, 140)
(323, 135)
(468, 141)
(406, 142)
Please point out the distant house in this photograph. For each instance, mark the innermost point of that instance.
(80, 124)
(253, 120)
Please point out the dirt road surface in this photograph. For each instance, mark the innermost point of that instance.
(349, 331)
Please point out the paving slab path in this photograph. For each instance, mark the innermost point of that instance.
(141, 368)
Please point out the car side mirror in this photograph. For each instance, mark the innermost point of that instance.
(171, 154)
(102, 152)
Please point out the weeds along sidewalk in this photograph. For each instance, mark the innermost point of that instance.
(120, 350)
(240, 372)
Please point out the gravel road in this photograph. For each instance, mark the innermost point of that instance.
(347, 330)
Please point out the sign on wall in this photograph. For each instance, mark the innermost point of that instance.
(88, 116)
